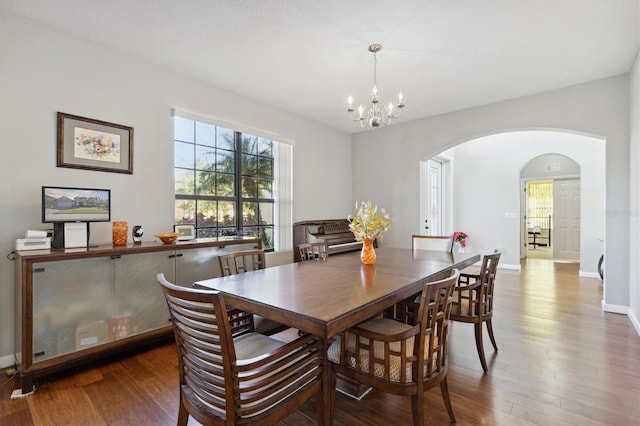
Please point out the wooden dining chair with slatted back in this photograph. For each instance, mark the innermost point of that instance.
(432, 242)
(313, 251)
(242, 261)
(230, 374)
(405, 354)
(473, 303)
(245, 261)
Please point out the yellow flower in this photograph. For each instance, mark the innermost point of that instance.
(367, 223)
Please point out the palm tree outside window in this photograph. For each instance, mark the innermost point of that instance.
(224, 181)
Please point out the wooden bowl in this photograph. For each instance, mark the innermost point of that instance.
(168, 238)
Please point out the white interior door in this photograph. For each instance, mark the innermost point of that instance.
(566, 236)
(434, 199)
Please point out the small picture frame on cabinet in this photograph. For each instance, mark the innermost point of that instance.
(187, 232)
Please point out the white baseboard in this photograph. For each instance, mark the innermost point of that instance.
(624, 310)
(634, 321)
(615, 309)
(508, 266)
(588, 274)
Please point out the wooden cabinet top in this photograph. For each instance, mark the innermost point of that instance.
(144, 247)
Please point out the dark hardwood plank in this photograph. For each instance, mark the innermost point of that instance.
(561, 361)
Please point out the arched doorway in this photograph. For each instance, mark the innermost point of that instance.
(550, 205)
(485, 189)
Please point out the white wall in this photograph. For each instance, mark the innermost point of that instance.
(634, 197)
(487, 185)
(43, 71)
(386, 167)
(536, 168)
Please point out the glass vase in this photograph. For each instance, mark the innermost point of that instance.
(368, 253)
(458, 247)
(119, 232)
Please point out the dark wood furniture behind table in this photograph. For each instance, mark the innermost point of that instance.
(77, 305)
(326, 298)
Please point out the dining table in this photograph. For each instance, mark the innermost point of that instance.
(326, 297)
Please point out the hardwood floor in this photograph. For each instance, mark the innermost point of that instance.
(562, 361)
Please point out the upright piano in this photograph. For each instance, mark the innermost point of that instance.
(335, 232)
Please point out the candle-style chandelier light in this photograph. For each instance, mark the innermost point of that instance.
(376, 114)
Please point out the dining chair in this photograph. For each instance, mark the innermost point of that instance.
(244, 261)
(313, 251)
(404, 353)
(432, 242)
(232, 375)
(471, 273)
(473, 303)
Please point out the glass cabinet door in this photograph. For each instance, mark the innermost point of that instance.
(202, 263)
(72, 305)
(140, 305)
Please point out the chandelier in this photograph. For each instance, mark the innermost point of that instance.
(376, 114)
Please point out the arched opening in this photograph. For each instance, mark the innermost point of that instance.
(485, 188)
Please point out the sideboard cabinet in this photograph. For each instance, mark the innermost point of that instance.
(76, 305)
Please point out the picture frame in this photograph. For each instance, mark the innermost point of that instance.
(187, 232)
(89, 144)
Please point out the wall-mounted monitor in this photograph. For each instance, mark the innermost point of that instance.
(62, 205)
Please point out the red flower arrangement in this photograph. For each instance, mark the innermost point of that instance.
(461, 238)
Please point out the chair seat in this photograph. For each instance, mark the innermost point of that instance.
(267, 326)
(460, 309)
(471, 271)
(382, 326)
(251, 345)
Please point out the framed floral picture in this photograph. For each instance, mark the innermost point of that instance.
(85, 143)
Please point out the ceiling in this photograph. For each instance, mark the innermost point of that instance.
(308, 56)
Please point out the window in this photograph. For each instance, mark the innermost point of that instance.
(226, 182)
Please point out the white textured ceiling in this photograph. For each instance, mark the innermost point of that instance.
(308, 56)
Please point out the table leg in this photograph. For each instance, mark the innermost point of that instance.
(326, 401)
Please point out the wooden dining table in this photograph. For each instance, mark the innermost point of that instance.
(324, 298)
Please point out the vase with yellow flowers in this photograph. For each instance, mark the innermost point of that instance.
(366, 226)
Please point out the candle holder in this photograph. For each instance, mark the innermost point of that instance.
(119, 232)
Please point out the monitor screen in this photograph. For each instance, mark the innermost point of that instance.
(75, 204)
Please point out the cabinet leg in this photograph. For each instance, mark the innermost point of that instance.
(28, 383)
